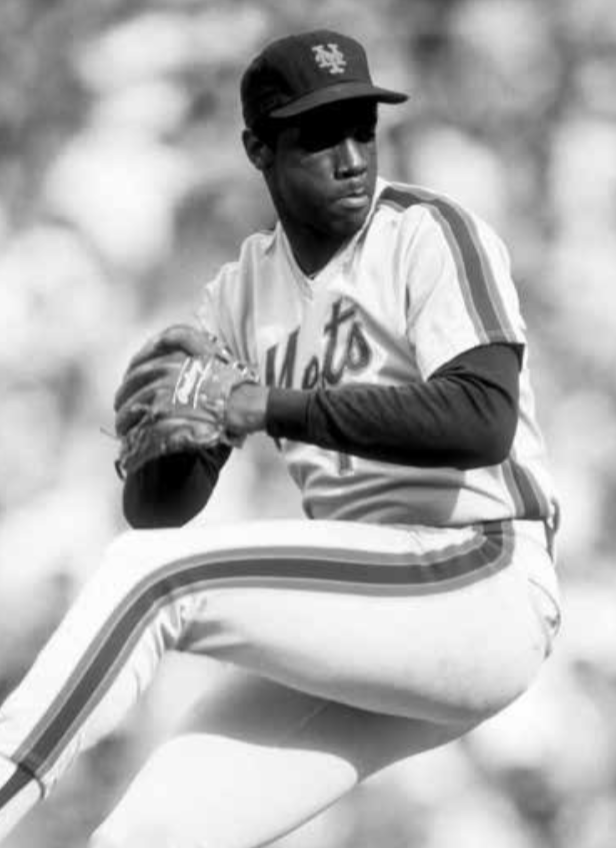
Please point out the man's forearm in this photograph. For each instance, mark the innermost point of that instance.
(465, 416)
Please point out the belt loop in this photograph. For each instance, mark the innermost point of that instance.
(549, 538)
(551, 525)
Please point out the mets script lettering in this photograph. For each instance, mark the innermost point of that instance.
(346, 349)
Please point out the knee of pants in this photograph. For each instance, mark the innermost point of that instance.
(498, 690)
(130, 545)
(132, 554)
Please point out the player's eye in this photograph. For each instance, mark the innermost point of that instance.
(365, 133)
(321, 137)
(315, 138)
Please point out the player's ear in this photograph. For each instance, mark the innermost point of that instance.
(258, 151)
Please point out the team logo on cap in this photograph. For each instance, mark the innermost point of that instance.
(330, 58)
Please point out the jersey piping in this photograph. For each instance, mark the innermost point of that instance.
(477, 283)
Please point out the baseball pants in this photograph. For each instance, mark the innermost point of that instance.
(363, 645)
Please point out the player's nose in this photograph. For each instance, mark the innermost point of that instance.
(351, 158)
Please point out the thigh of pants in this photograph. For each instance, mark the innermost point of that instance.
(435, 625)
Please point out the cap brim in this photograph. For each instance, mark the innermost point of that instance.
(335, 93)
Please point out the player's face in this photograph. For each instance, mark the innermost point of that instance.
(322, 176)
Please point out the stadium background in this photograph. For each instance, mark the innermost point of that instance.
(123, 186)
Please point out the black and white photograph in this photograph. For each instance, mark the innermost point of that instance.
(307, 353)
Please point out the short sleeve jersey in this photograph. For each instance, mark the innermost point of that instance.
(423, 281)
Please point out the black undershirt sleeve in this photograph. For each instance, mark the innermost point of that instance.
(463, 416)
(171, 490)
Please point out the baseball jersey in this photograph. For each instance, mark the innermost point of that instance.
(423, 281)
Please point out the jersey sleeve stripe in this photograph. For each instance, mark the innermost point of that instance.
(482, 297)
(487, 550)
(462, 266)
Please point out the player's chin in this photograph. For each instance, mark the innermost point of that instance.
(346, 220)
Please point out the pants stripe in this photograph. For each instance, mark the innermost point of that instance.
(18, 780)
(488, 550)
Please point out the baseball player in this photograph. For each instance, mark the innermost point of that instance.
(376, 335)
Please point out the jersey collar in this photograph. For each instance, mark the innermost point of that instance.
(339, 260)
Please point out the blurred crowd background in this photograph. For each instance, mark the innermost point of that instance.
(123, 186)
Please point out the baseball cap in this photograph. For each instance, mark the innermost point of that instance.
(301, 72)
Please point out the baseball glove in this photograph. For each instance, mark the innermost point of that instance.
(173, 397)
